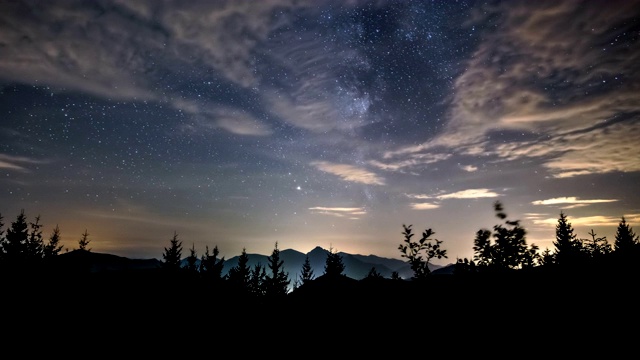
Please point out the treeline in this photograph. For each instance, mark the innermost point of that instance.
(498, 251)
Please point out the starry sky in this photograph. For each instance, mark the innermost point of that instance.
(242, 124)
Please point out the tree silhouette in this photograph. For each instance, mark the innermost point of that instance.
(257, 277)
(333, 265)
(35, 244)
(596, 247)
(306, 273)
(626, 246)
(568, 248)
(626, 239)
(84, 241)
(172, 255)
(239, 275)
(509, 248)
(210, 266)
(277, 282)
(192, 260)
(53, 247)
(373, 274)
(420, 253)
(14, 246)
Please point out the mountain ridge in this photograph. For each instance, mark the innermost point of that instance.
(356, 266)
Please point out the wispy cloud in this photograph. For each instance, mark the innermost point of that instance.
(349, 172)
(508, 83)
(17, 162)
(462, 194)
(571, 202)
(424, 206)
(413, 161)
(591, 220)
(469, 168)
(346, 212)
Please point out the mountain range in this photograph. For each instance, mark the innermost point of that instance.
(356, 266)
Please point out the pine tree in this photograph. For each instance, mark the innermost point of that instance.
(596, 247)
(306, 274)
(172, 255)
(626, 240)
(192, 260)
(333, 265)
(239, 275)
(15, 246)
(210, 266)
(277, 282)
(35, 243)
(84, 241)
(53, 247)
(568, 250)
(257, 278)
(626, 244)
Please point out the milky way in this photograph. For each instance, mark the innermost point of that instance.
(242, 124)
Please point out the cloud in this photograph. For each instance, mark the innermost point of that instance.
(469, 168)
(17, 162)
(571, 200)
(414, 160)
(346, 212)
(424, 206)
(591, 220)
(573, 93)
(349, 173)
(233, 120)
(469, 194)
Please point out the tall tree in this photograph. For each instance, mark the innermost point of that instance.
(257, 278)
(35, 243)
(53, 247)
(210, 266)
(626, 247)
(306, 273)
(508, 250)
(568, 248)
(626, 240)
(420, 253)
(333, 265)
(239, 275)
(277, 281)
(172, 255)
(15, 244)
(84, 241)
(192, 260)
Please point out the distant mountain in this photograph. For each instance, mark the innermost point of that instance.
(100, 262)
(356, 266)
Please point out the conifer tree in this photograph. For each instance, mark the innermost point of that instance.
(277, 282)
(306, 274)
(569, 249)
(172, 255)
(35, 243)
(192, 260)
(596, 247)
(626, 240)
(53, 247)
(210, 266)
(239, 275)
(257, 278)
(15, 246)
(333, 265)
(84, 241)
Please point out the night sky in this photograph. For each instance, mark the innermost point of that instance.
(242, 124)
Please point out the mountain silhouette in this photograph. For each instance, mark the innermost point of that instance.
(356, 266)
